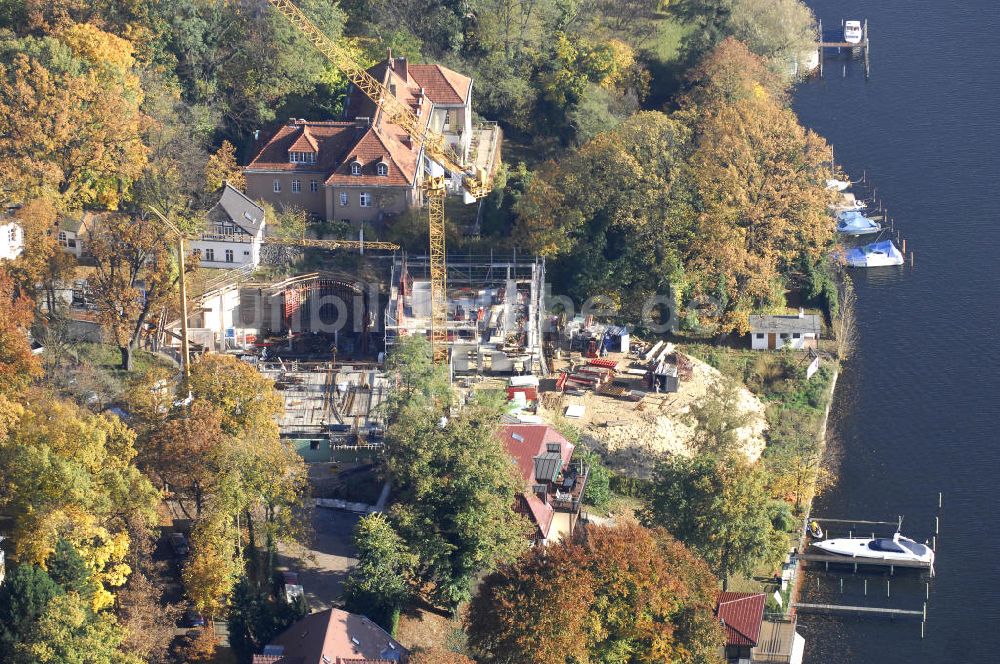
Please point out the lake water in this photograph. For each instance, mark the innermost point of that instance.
(916, 410)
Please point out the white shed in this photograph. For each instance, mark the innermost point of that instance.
(769, 332)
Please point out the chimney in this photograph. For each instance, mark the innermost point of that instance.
(362, 122)
(802, 312)
(388, 56)
(292, 122)
(401, 68)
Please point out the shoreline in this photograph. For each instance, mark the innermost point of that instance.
(793, 594)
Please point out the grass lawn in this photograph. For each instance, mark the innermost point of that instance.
(108, 358)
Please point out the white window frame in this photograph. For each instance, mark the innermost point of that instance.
(296, 186)
(344, 199)
(277, 186)
(355, 168)
(210, 255)
(365, 199)
(229, 255)
(383, 169)
(314, 186)
(302, 157)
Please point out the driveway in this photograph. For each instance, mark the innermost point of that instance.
(323, 566)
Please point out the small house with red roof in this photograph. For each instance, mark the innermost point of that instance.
(363, 168)
(753, 636)
(554, 482)
(333, 637)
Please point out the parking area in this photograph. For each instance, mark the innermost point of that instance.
(323, 565)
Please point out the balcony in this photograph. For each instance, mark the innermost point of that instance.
(566, 494)
(777, 642)
(241, 238)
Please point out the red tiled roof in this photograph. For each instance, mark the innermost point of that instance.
(741, 615)
(441, 85)
(534, 439)
(305, 142)
(335, 635)
(337, 143)
(540, 513)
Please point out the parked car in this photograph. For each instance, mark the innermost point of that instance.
(179, 544)
(193, 619)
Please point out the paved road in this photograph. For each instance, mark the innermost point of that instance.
(324, 565)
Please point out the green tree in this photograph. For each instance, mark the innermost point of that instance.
(68, 568)
(598, 491)
(720, 509)
(717, 419)
(611, 212)
(69, 632)
(24, 596)
(453, 479)
(380, 585)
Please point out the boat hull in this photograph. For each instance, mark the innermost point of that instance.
(858, 549)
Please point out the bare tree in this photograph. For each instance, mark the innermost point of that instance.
(844, 324)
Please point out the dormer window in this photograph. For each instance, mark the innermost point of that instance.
(382, 169)
(355, 168)
(302, 157)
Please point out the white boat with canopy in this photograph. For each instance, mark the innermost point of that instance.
(896, 547)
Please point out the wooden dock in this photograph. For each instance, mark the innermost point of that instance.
(863, 47)
(860, 610)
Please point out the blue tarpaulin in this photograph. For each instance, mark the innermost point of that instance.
(875, 254)
(852, 221)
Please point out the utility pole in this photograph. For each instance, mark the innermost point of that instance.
(185, 348)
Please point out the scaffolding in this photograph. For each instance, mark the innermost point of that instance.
(495, 310)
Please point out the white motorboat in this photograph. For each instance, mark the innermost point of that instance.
(834, 184)
(853, 32)
(876, 254)
(896, 547)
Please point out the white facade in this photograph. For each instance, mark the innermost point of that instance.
(232, 233)
(777, 332)
(232, 251)
(793, 340)
(11, 240)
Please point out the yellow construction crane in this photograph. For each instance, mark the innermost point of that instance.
(476, 181)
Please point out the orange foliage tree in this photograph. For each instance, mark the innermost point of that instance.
(622, 593)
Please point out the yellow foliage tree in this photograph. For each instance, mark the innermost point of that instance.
(222, 167)
(69, 474)
(70, 119)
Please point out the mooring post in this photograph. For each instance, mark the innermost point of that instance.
(904, 245)
(927, 590)
(866, 587)
(937, 523)
(887, 588)
(934, 544)
(819, 48)
(841, 585)
(939, 499)
(867, 50)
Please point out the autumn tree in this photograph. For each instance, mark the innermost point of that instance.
(70, 476)
(185, 452)
(70, 119)
(379, 586)
(18, 366)
(133, 277)
(720, 508)
(759, 185)
(610, 212)
(613, 594)
(43, 265)
(222, 167)
(237, 389)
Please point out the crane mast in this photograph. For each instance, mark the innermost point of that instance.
(477, 182)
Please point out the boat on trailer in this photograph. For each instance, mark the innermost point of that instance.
(852, 222)
(895, 548)
(876, 254)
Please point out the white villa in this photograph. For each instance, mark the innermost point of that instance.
(11, 239)
(233, 232)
